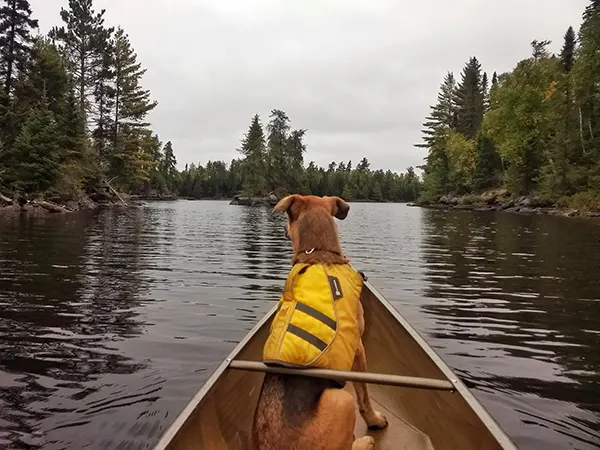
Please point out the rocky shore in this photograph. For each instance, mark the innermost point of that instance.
(502, 201)
(269, 200)
(93, 199)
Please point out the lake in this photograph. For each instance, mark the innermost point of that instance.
(111, 321)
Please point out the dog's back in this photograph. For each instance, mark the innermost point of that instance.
(301, 413)
(286, 404)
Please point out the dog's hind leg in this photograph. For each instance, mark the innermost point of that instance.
(333, 425)
(373, 419)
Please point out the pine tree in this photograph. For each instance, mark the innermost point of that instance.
(168, 165)
(277, 142)
(494, 80)
(254, 149)
(15, 41)
(84, 40)
(469, 100)
(486, 93)
(443, 114)
(567, 54)
(15, 53)
(295, 150)
(132, 105)
(34, 161)
(539, 49)
(50, 82)
(104, 95)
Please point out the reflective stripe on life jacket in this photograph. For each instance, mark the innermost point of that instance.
(316, 324)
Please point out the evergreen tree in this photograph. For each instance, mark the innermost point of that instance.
(132, 105)
(494, 80)
(168, 165)
(489, 164)
(540, 49)
(443, 114)
(277, 143)
(295, 150)
(34, 161)
(567, 54)
(15, 53)
(469, 100)
(84, 40)
(486, 92)
(15, 41)
(254, 149)
(104, 95)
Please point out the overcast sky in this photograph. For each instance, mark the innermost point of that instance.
(359, 75)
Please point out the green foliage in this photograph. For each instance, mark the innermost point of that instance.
(535, 132)
(525, 110)
(84, 41)
(15, 41)
(81, 85)
(34, 160)
(443, 114)
(277, 166)
(16, 25)
(254, 151)
(469, 99)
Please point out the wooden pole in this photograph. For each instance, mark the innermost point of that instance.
(365, 377)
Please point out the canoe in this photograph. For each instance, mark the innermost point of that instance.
(429, 408)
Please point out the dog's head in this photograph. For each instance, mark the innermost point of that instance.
(311, 225)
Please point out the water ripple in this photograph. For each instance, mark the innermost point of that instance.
(110, 322)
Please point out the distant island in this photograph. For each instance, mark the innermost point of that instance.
(529, 140)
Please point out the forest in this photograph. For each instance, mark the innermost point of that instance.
(272, 160)
(533, 131)
(74, 116)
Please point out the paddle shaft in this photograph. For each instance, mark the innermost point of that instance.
(340, 375)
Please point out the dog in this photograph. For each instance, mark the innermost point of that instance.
(302, 413)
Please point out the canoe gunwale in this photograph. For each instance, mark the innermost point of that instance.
(488, 421)
(459, 387)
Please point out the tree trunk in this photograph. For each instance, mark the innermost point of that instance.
(581, 130)
(10, 58)
(49, 206)
(115, 192)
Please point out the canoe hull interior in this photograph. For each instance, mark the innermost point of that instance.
(220, 415)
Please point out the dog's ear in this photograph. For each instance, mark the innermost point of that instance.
(286, 205)
(339, 208)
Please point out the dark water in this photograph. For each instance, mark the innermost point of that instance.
(110, 322)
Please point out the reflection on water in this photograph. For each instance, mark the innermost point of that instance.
(110, 322)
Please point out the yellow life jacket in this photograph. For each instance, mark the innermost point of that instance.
(316, 324)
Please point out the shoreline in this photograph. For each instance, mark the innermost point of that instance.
(42, 208)
(497, 202)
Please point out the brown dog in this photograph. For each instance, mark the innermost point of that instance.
(301, 413)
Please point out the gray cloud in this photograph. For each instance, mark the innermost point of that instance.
(359, 75)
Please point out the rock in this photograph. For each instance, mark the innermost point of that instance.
(525, 210)
(72, 205)
(489, 197)
(524, 201)
(269, 200)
